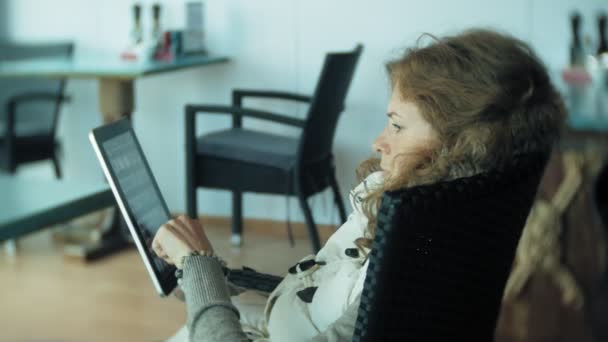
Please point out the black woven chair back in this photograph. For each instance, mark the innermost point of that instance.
(328, 102)
(600, 200)
(600, 193)
(442, 255)
(35, 117)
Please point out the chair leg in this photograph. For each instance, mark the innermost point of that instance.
(191, 168)
(337, 197)
(57, 167)
(310, 223)
(191, 204)
(237, 218)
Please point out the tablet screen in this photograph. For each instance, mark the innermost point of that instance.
(138, 189)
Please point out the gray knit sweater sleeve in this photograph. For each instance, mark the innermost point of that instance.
(211, 315)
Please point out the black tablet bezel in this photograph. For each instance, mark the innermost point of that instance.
(163, 282)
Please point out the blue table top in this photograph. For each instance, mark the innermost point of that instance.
(27, 205)
(97, 67)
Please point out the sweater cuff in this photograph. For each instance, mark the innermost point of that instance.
(204, 286)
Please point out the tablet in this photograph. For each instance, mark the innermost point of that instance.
(137, 194)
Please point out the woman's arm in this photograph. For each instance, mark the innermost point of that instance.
(211, 315)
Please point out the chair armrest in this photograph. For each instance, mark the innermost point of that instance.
(36, 96)
(239, 94)
(239, 112)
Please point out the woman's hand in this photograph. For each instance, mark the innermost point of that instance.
(178, 238)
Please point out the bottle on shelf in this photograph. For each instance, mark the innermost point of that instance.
(156, 26)
(136, 32)
(577, 51)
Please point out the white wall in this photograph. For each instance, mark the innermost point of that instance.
(3, 22)
(274, 44)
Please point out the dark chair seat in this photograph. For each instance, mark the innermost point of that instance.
(250, 146)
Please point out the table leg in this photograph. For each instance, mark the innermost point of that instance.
(116, 101)
(116, 98)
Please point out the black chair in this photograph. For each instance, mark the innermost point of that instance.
(243, 160)
(442, 255)
(600, 197)
(598, 310)
(29, 109)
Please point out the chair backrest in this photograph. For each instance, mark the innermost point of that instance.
(442, 255)
(37, 116)
(326, 106)
(600, 201)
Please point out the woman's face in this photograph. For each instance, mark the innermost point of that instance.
(405, 136)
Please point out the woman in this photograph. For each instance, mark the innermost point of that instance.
(460, 106)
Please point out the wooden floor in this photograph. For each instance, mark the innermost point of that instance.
(45, 296)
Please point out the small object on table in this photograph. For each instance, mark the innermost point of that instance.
(193, 40)
(136, 32)
(577, 53)
(156, 26)
(164, 51)
(576, 76)
(137, 49)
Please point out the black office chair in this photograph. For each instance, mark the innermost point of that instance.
(243, 160)
(442, 255)
(29, 109)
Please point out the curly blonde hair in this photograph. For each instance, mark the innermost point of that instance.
(488, 97)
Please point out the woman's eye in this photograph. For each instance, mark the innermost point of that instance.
(397, 127)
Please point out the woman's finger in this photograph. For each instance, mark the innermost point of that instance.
(177, 232)
(156, 245)
(180, 225)
(192, 224)
(168, 260)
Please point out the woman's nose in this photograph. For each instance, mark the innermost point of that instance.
(377, 145)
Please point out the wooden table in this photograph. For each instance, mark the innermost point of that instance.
(115, 76)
